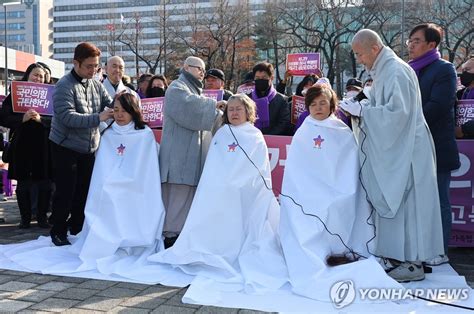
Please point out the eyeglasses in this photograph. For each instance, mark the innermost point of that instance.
(414, 41)
(91, 66)
(197, 67)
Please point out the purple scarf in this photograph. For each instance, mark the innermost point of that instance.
(301, 118)
(263, 111)
(422, 61)
(468, 93)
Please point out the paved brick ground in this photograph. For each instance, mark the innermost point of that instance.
(27, 293)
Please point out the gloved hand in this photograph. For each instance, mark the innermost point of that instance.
(352, 106)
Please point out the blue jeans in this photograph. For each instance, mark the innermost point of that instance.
(444, 179)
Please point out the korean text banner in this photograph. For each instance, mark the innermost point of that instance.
(297, 108)
(464, 111)
(216, 94)
(29, 95)
(152, 111)
(301, 64)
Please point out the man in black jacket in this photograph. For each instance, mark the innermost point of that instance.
(273, 111)
(437, 79)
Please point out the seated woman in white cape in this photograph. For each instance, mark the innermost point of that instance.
(124, 213)
(321, 176)
(230, 233)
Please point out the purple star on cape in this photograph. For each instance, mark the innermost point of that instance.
(232, 147)
(120, 149)
(318, 141)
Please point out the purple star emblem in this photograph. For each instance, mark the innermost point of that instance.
(120, 149)
(318, 141)
(232, 147)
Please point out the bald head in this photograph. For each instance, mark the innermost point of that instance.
(469, 65)
(195, 66)
(115, 69)
(366, 45)
(114, 59)
(368, 38)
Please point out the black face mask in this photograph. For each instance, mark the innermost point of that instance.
(157, 92)
(466, 78)
(261, 85)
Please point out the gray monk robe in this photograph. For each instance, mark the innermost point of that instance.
(399, 173)
(188, 120)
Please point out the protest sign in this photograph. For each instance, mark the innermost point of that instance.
(246, 88)
(302, 64)
(297, 108)
(216, 94)
(152, 111)
(29, 95)
(464, 111)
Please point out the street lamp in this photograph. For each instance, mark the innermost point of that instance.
(5, 5)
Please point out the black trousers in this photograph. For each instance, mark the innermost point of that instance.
(25, 201)
(72, 174)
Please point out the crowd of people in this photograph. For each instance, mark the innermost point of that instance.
(359, 178)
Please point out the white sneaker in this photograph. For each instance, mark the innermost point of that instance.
(386, 264)
(438, 260)
(3, 198)
(407, 271)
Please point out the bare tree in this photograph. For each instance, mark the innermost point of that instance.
(138, 35)
(219, 36)
(455, 17)
(325, 27)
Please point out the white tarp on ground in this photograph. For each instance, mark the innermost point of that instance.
(208, 292)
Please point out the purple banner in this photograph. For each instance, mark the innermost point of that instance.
(464, 111)
(152, 111)
(246, 88)
(216, 94)
(462, 197)
(301, 64)
(297, 108)
(29, 95)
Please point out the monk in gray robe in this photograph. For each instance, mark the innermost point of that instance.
(398, 163)
(188, 119)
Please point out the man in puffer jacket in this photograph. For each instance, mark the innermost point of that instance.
(77, 101)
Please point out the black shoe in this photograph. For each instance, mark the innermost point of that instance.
(24, 225)
(44, 224)
(74, 231)
(59, 241)
(169, 242)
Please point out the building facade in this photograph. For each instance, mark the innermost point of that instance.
(118, 27)
(29, 28)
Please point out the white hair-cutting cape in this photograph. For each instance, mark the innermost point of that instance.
(230, 232)
(321, 174)
(124, 214)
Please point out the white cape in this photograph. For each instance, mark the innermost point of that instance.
(124, 214)
(230, 232)
(321, 174)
